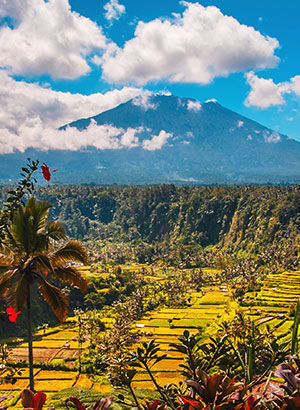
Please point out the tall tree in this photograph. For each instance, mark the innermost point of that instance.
(33, 253)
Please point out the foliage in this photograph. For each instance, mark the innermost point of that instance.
(177, 223)
(15, 196)
(101, 404)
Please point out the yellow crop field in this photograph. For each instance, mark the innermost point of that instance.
(55, 374)
(205, 310)
(162, 378)
(19, 385)
(168, 364)
(51, 343)
(52, 385)
(84, 381)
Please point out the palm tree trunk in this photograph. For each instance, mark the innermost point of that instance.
(29, 332)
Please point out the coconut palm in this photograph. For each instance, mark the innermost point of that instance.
(31, 255)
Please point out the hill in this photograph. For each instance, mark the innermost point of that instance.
(166, 139)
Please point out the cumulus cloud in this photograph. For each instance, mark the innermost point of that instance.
(197, 46)
(272, 137)
(144, 101)
(34, 134)
(129, 138)
(264, 92)
(113, 10)
(47, 37)
(20, 100)
(194, 105)
(29, 108)
(292, 86)
(157, 141)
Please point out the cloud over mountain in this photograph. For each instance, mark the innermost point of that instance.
(30, 113)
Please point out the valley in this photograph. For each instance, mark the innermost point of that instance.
(57, 348)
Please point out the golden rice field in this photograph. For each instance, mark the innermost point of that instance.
(206, 310)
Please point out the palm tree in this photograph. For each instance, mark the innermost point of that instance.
(33, 253)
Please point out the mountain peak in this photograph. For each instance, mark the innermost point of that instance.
(157, 138)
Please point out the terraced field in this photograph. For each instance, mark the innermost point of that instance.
(277, 294)
(52, 347)
(206, 309)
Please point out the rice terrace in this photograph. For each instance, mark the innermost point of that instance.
(149, 205)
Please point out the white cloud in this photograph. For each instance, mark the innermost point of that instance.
(47, 37)
(197, 46)
(20, 100)
(129, 138)
(144, 101)
(213, 100)
(272, 137)
(29, 108)
(157, 141)
(264, 92)
(292, 86)
(189, 134)
(194, 105)
(114, 10)
(240, 124)
(33, 134)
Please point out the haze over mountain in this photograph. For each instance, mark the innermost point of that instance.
(166, 139)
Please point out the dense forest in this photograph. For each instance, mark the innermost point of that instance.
(232, 219)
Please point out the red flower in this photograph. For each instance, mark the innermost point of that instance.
(46, 172)
(12, 314)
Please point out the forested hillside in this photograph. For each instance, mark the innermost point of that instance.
(230, 218)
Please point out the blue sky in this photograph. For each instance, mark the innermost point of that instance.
(61, 60)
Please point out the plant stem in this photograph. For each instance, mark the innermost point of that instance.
(134, 397)
(164, 397)
(29, 331)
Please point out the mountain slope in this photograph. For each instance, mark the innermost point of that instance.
(176, 140)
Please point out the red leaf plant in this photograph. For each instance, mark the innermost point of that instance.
(156, 405)
(102, 404)
(46, 171)
(33, 401)
(12, 314)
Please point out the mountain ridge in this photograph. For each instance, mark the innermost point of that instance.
(167, 139)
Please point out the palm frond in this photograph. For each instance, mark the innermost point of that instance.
(19, 231)
(55, 298)
(71, 275)
(72, 251)
(56, 231)
(5, 264)
(29, 226)
(39, 211)
(18, 292)
(40, 262)
(5, 280)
